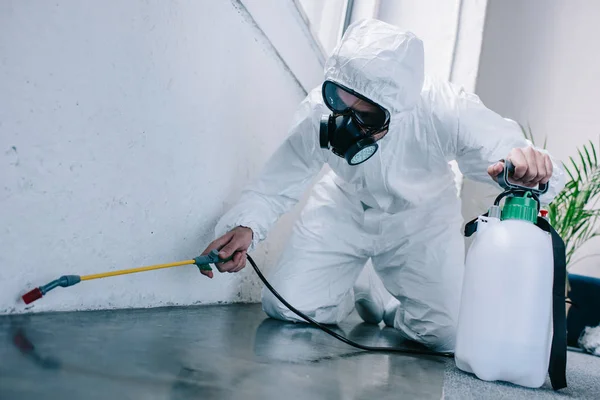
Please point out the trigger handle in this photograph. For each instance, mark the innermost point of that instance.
(203, 262)
(503, 181)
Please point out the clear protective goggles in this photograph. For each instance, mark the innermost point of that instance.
(376, 119)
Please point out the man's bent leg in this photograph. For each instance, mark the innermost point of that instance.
(321, 261)
(425, 274)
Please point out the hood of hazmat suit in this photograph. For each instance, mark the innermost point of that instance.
(399, 209)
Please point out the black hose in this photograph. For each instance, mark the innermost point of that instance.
(336, 335)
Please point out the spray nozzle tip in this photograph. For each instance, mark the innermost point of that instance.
(32, 296)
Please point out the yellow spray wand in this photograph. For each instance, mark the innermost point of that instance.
(202, 262)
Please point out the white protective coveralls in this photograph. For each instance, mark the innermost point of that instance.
(411, 225)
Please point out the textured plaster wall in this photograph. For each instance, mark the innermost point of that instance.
(126, 130)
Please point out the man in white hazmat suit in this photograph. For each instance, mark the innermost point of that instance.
(399, 208)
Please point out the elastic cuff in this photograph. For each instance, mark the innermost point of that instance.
(222, 228)
(255, 234)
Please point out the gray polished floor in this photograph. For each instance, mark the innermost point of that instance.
(209, 352)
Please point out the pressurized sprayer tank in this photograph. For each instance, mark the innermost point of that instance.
(505, 324)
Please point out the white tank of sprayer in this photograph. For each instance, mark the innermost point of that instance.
(505, 322)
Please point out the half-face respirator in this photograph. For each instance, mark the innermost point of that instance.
(349, 131)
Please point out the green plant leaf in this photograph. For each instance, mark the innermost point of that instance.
(583, 164)
(589, 159)
(575, 169)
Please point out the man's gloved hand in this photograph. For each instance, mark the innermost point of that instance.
(235, 242)
(532, 167)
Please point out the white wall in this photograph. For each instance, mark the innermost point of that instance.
(326, 19)
(451, 32)
(126, 130)
(539, 65)
(434, 21)
(364, 9)
(286, 27)
(467, 45)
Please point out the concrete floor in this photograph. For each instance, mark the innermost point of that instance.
(210, 352)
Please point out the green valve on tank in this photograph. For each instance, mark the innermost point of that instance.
(523, 208)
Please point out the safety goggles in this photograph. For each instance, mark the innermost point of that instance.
(376, 120)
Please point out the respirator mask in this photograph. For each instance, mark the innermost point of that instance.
(348, 131)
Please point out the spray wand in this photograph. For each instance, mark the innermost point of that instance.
(202, 262)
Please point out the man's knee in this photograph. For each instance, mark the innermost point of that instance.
(320, 311)
(275, 308)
